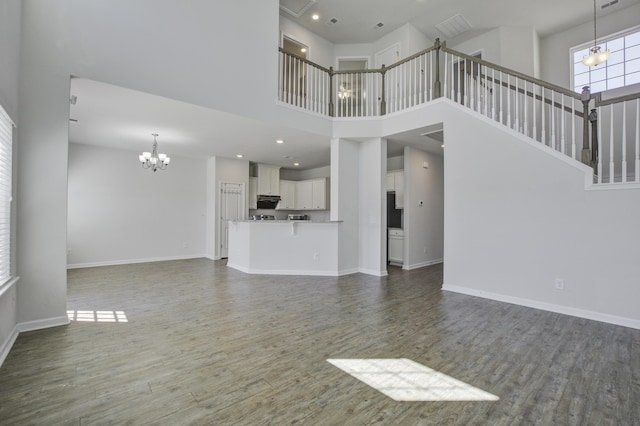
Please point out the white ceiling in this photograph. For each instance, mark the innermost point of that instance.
(358, 19)
(121, 118)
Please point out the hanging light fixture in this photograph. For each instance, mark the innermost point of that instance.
(152, 160)
(595, 56)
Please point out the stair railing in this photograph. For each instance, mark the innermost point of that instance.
(618, 121)
(549, 114)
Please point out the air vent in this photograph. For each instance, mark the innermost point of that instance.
(611, 3)
(296, 7)
(437, 135)
(454, 26)
(332, 21)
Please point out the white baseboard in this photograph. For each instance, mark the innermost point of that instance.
(132, 261)
(382, 273)
(321, 273)
(6, 346)
(42, 323)
(566, 310)
(421, 264)
(348, 271)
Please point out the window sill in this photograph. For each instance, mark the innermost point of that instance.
(6, 286)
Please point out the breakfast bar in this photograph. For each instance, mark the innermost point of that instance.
(283, 247)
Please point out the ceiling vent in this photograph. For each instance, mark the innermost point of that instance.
(454, 26)
(296, 7)
(437, 135)
(611, 3)
(332, 21)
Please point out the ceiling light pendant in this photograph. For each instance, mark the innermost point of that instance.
(152, 160)
(595, 56)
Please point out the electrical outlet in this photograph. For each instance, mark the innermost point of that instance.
(559, 284)
(68, 251)
(316, 256)
(425, 250)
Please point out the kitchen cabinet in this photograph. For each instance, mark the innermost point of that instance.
(304, 195)
(253, 193)
(287, 195)
(268, 179)
(311, 194)
(395, 182)
(396, 246)
(319, 194)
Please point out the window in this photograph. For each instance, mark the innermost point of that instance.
(6, 158)
(621, 69)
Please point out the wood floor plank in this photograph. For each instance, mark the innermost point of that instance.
(205, 344)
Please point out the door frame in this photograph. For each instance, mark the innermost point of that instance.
(243, 213)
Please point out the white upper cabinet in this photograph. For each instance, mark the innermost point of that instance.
(304, 195)
(395, 182)
(268, 180)
(287, 195)
(311, 194)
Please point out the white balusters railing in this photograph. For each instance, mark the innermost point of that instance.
(551, 115)
(618, 161)
(303, 84)
(410, 82)
(357, 93)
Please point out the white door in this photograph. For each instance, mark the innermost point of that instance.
(231, 208)
(388, 56)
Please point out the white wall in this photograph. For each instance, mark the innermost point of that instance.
(395, 163)
(554, 49)
(120, 43)
(513, 227)
(345, 201)
(320, 50)
(9, 51)
(372, 192)
(119, 212)
(411, 41)
(423, 224)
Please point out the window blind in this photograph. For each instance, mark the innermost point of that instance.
(6, 158)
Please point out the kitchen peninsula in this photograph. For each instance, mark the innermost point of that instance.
(283, 247)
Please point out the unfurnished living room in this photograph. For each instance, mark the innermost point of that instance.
(319, 211)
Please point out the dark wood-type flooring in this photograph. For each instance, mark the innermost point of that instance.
(205, 344)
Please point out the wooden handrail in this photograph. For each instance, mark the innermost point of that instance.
(520, 75)
(619, 99)
(306, 61)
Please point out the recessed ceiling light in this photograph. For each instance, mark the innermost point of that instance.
(239, 155)
(303, 50)
(315, 16)
(296, 164)
(279, 141)
(442, 145)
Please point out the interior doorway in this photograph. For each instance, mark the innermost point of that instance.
(231, 208)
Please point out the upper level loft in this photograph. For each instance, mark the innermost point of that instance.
(601, 133)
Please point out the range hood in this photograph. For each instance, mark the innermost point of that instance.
(268, 201)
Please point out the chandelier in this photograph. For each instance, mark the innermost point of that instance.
(595, 56)
(152, 160)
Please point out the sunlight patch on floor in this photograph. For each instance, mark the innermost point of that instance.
(405, 380)
(97, 316)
